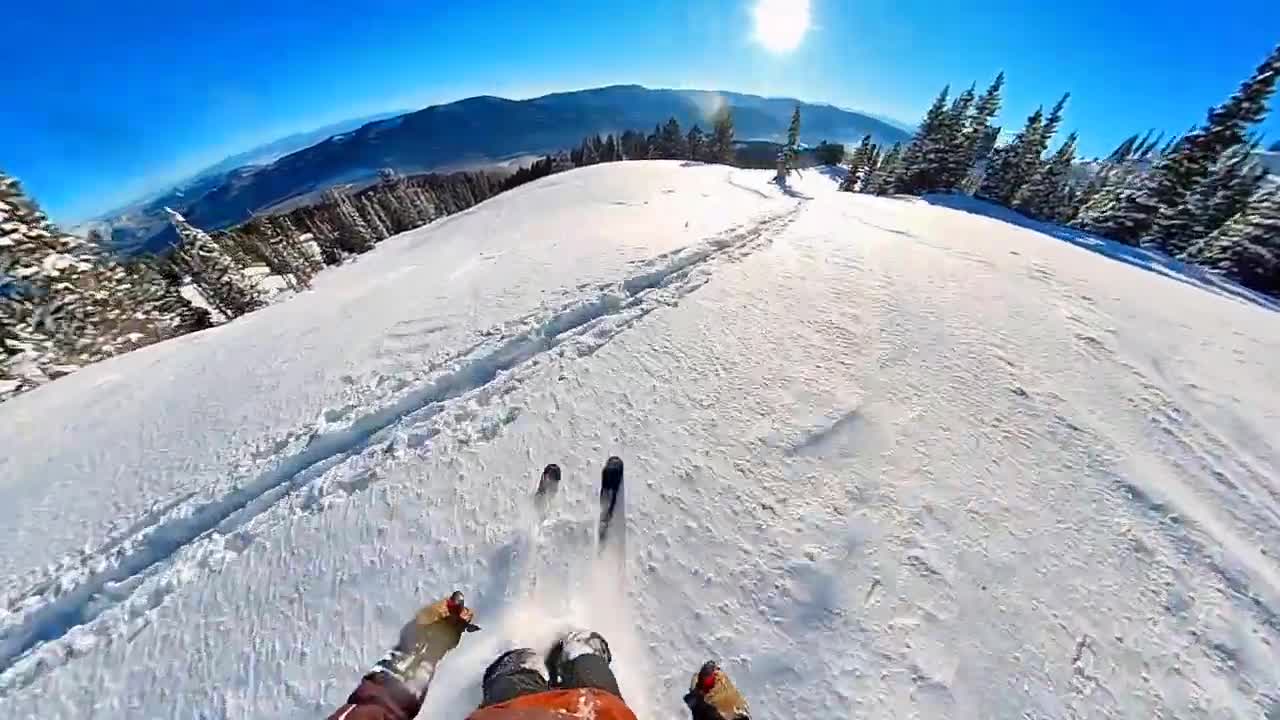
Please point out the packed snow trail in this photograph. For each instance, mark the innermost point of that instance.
(147, 559)
(884, 459)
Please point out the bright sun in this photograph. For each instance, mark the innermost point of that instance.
(780, 24)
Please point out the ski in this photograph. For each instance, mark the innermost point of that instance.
(613, 517)
(548, 486)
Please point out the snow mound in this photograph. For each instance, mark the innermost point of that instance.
(885, 458)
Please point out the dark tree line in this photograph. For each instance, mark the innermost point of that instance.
(666, 142)
(1199, 197)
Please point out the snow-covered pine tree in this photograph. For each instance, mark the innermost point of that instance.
(1008, 169)
(138, 304)
(1144, 151)
(871, 178)
(859, 162)
(317, 221)
(258, 239)
(48, 308)
(1233, 180)
(1154, 213)
(1030, 163)
(1051, 124)
(981, 135)
(1247, 247)
(870, 166)
(24, 349)
(950, 156)
(721, 145)
(405, 202)
(1111, 178)
(1126, 148)
(402, 210)
(915, 164)
(374, 215)
(1046, 196)
(218, 277)
(159, 295)
(884, 178)
(353, 234)
(302, 253)
(791, 150)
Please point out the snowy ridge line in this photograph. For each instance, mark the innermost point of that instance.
(114, 589)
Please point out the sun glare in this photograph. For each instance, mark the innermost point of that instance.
(780, 25)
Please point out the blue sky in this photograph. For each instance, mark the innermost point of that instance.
(121, 98)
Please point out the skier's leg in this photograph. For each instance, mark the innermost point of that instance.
(581, 660)
(515, 673)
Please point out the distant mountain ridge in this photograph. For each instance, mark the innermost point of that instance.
(477, 130)
(145, 215)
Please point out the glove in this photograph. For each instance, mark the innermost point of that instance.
(434, 630)
(712, 696)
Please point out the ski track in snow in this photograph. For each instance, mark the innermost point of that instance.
(114, 588)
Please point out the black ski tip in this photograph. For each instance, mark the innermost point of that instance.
(548, 483)
(611, 476)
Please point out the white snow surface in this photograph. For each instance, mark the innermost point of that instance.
(885, 459)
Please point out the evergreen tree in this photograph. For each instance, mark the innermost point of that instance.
(1247, 247)
(791, 150)
(1170, 145)
(220, 279)
(1155, 212)
(829, 153)
(303, 257)
(1051, 125)
(50, 317)
(671, 141)
(952, 155)
(859, 165)
(354, 234)
(1010, 165)
(633, 146)
(696, 142)
(1143, 152)
(883, 179)
(721, 145)
(1023, 164)
(915, 166)
(1047, 196)
(1223, 194)
(401, 207)
(159, 297)
(1125, 149)
(981, 136)
(375, 216)
(611, 153)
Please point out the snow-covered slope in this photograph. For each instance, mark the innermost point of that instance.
(885, 459)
